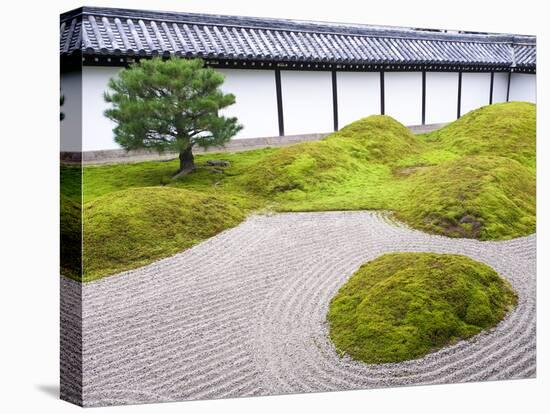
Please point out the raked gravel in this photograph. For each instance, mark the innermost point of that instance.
(244, 313)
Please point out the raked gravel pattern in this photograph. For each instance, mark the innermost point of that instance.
(244, 314)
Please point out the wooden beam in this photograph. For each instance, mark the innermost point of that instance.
(459, 98)
(279, 102)
(423, 97)
(382, 94)
(335, 100)
(111, 59)
(491, 88)
(508, 87)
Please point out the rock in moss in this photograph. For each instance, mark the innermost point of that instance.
(218, 163)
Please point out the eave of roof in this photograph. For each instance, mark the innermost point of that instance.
(124, 32)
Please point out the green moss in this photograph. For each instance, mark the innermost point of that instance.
(474, 178)
(377, 138)
(337, 159)
(435, 184)
(402, 306)
(99, 180)
(104, 179)
(71, 181)
(70, 221)
(504, 129)
(70, 237)
(480, 197)
(131, 228)
(298, 167)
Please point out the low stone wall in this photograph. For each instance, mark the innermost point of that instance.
(121, 156)
(424, 129)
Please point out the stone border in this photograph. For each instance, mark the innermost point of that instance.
(115, 156)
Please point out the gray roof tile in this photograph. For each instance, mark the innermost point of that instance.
(105, 31)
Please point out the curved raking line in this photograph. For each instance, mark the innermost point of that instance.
(244, 313)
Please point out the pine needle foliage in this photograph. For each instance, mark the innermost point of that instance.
(170, 105)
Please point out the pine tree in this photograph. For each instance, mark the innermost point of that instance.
(170, 105)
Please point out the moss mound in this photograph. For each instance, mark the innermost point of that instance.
(402, 306)
(131, 228)
(478, 197)
(336, 158)
(474, 178)
(377, 138)
(298, 167)
(504, 129)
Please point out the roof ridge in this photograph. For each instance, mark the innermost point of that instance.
(248, 22)
(100, 31)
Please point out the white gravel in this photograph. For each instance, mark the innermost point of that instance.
(244, 314)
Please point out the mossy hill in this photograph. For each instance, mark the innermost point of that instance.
(473, 178)
(402, 306)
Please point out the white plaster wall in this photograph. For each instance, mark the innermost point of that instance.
(500, 87)
(71, 126)
(441, 96)
(97, 130)
(255, 101)
(307, 102)
(358, 95)
(475, 91)
(403, 96)
(255, 107)
(523, 87)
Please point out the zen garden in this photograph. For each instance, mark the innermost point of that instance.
(471, 183)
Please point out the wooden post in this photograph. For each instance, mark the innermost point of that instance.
(491, 88)
(508, 87)
(279, 102)
(423, 97)
(382, 94)
(459, 94)
(335, 100)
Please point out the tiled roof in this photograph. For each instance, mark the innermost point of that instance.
(121, 32)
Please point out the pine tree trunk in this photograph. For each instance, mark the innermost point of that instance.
(187, 162)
